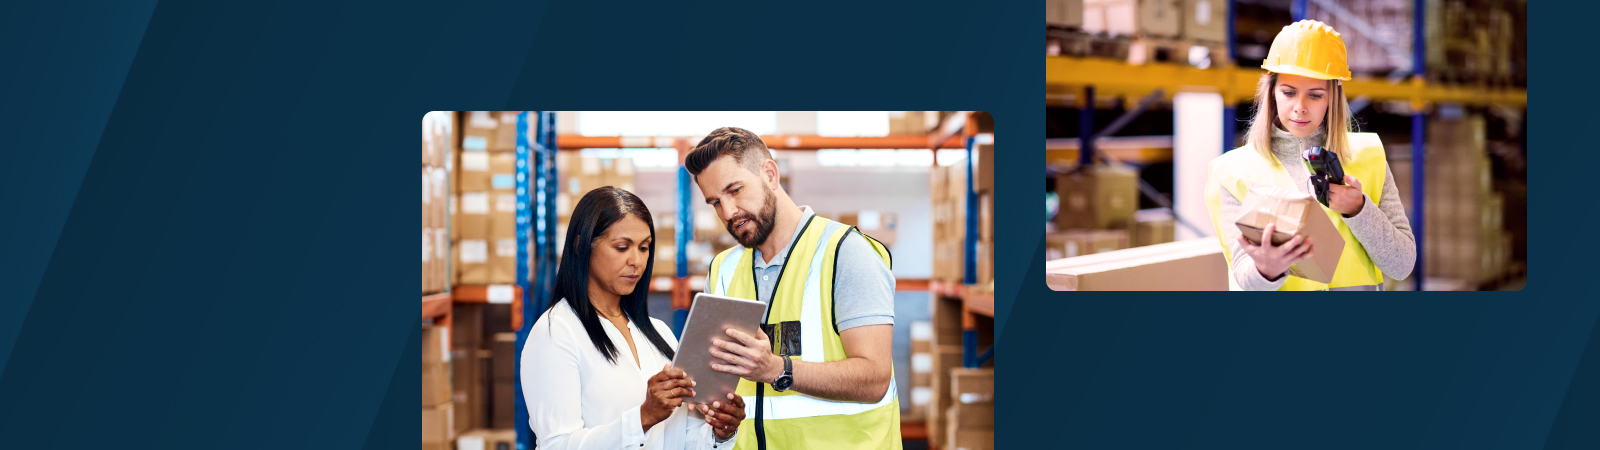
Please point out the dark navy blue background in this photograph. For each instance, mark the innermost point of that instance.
(207, 231)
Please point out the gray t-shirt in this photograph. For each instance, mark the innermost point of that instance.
(863, 285)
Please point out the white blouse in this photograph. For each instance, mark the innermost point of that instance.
(578, 400)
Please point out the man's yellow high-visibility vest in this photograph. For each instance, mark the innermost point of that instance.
(800, 325)
(1244, 167)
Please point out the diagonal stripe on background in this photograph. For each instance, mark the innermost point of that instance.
(65, 63)
(232, 218)
(1575, 425)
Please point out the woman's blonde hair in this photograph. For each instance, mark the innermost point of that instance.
(1266, 116)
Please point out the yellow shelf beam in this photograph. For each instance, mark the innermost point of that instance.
(1112, 78)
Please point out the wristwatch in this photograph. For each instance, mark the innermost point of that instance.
(787, 379)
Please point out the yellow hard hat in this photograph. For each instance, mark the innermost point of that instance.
(1308, 48)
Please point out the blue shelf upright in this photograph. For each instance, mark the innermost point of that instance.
(536, 215)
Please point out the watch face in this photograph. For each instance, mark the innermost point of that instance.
(783, 382)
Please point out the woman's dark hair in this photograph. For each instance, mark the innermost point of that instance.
(595, 213)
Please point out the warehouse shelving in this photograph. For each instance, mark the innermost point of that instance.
(975, 300)
(681, 300)
(1089, 78)
(436, 305)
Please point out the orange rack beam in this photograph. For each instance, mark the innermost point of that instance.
(436, 305)
(775, 142)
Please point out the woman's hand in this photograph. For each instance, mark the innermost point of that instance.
(1346, 198)
(1272, 261)
(664, 392)
(724, 417)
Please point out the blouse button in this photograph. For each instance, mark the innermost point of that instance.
(765, 278)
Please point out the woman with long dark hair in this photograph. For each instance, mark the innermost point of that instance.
(583, 388)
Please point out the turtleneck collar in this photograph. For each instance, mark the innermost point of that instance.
(1286, 145)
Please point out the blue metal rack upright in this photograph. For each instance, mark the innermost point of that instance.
(536, 215)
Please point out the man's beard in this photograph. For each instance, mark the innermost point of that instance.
(763, 221)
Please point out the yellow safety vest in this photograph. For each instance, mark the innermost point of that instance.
(800, 324)
(1244, 167)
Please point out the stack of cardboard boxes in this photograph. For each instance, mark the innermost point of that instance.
(485, 208)
(970, 419)
(945, 355)
(921, 390)
(909, 122)
(482, 374)
(883, 226)
(1162, 30)
(1097, 207)
(438, 417)
(948, 189)
(438, 143)
(1465, 237)
(578, 175)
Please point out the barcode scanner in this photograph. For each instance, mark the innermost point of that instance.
(1325, 169)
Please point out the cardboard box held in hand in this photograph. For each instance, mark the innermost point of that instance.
(1294, 213)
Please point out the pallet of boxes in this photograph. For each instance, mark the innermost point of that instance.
(1466, 239)
(1102, 241)
(438, 416)
(485, 207)
(483, 374)
(437, 150)
(484, 253)
(1186, 32)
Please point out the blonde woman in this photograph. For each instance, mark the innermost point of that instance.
(1300, 103)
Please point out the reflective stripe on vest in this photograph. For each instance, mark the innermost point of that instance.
(798, 406)
(1237, 170)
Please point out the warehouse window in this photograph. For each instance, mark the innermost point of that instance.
(673, 123)
(853, 123)
(642, 157)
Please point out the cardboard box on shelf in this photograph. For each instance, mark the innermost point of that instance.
(880, 225)
(1149, 268)
(1205, 20)
(474, 174)
(435, 344)
(1152, 226)
(501, 414)
(1098, 197)
(916, 407)
(983, 165)
(921, 368)
(438, 426)
(480, 439)
(468, 392)
(505, 136)
(907, 122)
(945, 317)
(478, 131)
(471, 261)
(1071, 243)
(504, 348)
(972, 385)
(473, 217)
(466, 326)
(976, 439)
(1064, 13)
(1133, 17)
(1294, 214)
(945, 358)
(436, 383)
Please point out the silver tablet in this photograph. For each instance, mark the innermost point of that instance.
(708, 318)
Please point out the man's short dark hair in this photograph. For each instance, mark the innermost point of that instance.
(745, 147)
